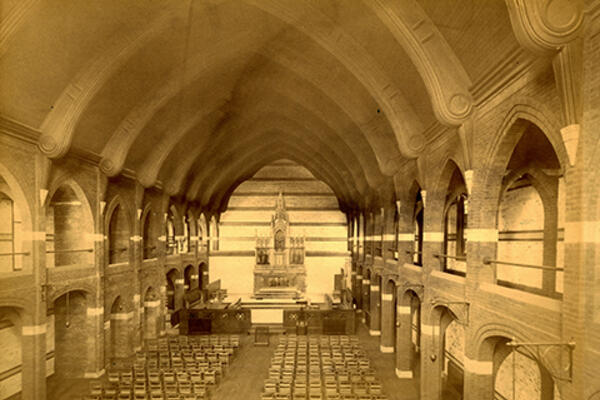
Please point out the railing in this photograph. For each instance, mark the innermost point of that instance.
(70, 251)
(543, 289)
(488, 261)
(458, 258)
(450, 270)
(16, 253)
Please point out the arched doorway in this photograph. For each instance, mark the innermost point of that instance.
(516, 372)
(453, 368)
(70, 334)
(443, 347)
(408, 337)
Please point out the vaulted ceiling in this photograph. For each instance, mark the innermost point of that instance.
(199, 95)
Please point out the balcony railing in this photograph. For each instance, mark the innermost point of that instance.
(533, 283)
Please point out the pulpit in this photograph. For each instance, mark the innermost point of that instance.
(279, 271)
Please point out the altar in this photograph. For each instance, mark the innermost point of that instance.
(279, 271)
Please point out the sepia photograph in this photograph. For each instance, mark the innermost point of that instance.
(299, 199)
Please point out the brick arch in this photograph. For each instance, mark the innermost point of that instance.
(526, 110)
(17, 196)
(495, 330)
(188, 271)
(149, 288)
(16, 306)
(436, 199)
(73, 182)
(177, 219)
(405, 293)
(117, 299)
(176, 269)
(88, 290)
(145, 211)
(491, 347)
(20, 201)
(192, 222)
(536, 177)
(88, 223)
(115, 202)
(23, 304)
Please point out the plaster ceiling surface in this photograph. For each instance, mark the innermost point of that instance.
(199, 95)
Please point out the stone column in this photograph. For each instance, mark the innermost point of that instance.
(404, 345)
(95, 334)
(178, 295)
(151, 319)
(366, 297)
(388, 319)
(33, 376)
(375, 307)
(478, 370)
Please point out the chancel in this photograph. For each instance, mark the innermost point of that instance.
(300, 200)
(280, 270)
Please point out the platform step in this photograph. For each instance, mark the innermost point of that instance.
(274, 329)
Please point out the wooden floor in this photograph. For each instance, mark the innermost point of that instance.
(249, 369)
(385, 369)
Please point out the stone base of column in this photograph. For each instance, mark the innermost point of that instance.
(404, 374)
(386, 349)
(374, 333)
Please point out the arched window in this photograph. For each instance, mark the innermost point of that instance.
(170, 234)
(10, 233)
(150, 233)
(455, 223)
(362, 232)
(418, 215)
(68, 229)
(396, 231)
(214, 233)
(118, 236)
(378, 233)
(530, 211)
(185, 243)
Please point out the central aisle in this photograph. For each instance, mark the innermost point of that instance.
(245, 377)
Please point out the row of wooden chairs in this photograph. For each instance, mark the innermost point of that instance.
(181, 378)
(320, 367)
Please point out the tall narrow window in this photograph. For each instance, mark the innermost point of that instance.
(7, 234)
(418, 230)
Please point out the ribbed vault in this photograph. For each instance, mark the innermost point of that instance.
(199, 95)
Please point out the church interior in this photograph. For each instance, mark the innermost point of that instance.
(300, 200)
